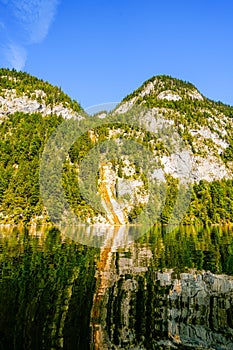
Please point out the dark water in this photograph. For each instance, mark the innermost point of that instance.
(167, 290)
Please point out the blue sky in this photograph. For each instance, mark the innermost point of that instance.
(99, 51)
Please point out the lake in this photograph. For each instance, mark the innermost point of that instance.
(166, 289)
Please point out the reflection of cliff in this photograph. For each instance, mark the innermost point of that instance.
(147, 309)
(105, 275)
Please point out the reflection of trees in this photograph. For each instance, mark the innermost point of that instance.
(46, 292)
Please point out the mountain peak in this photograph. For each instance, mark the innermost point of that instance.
(162, 83)
(161, 87)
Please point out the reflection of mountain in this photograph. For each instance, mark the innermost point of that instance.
(156, 293)
(140, 307)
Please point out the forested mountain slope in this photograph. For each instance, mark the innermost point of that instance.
(31, 109)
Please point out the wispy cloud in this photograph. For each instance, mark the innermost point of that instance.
(31, 20)
(35, 16)
(16, 55)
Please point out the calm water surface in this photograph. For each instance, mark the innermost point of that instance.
(167, 290)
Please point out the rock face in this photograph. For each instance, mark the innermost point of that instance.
(198, 159)
(168, 95)
(207, 139)
(112, 188)
(11, 103)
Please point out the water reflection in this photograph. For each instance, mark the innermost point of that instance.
(105, 236)
(167, 290)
